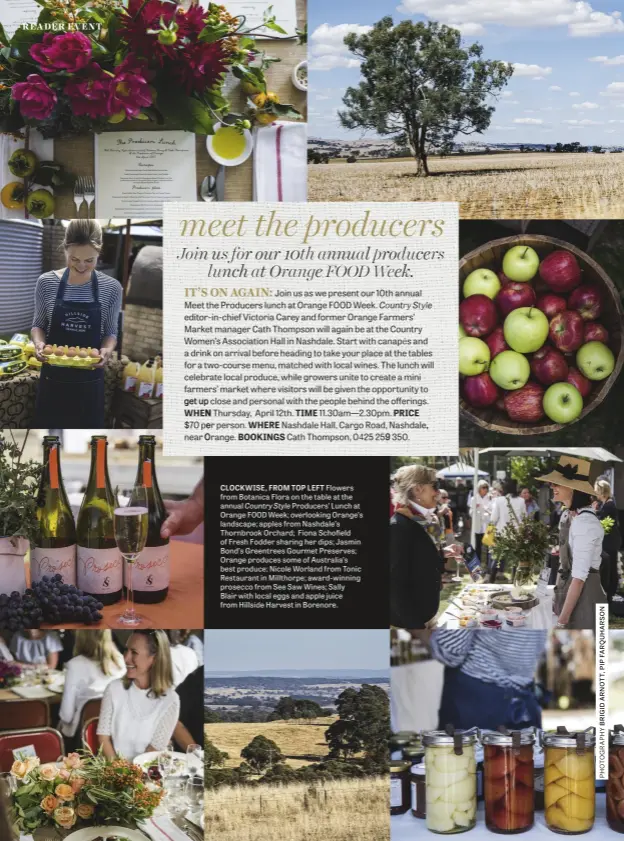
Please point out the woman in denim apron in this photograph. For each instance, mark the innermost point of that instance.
(74, 397)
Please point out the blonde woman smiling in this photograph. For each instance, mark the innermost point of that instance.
(139, 712)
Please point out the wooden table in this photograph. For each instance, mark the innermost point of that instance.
(183, 607)
(76, 154)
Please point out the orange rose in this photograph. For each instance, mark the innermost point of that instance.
(85, 810)
(64, 792)
(65, 817)
(49, 803)
(19, 769)
(72, 760)
(48, 772)
(76, 784)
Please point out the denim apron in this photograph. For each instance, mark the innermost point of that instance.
(72, 397)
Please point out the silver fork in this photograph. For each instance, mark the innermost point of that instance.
(89, 193)
(79, 194)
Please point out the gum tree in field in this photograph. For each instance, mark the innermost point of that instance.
(421, 84)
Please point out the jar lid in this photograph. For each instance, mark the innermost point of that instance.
(564, 738)
(397, 766)
(509, 738)
(441, 737)
(616, 736)
(419, 768)
(412, 751)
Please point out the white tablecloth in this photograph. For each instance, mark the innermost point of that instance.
(408, 828)
(415, 693)
(540, 616)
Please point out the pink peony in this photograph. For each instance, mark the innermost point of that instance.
(90, 97)
(72, 760)
(76, 784)
(36, 98)
(130, 91)
(69, 52)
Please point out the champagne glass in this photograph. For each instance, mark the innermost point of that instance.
(131, 525)
(195, 794)
(165, 764)
(194, 759)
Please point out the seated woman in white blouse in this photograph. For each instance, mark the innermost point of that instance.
(35, 648)
(184, 659)
(95, 663)
(139, 712)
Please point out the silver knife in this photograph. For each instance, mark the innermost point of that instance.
(220, 186)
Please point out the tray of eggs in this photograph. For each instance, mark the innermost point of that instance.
(71, 357)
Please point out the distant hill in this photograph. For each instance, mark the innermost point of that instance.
(355, 674)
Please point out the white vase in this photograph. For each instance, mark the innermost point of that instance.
(12, 566)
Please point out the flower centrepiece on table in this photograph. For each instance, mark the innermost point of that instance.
(153, 60)
(81, 788)
(9, 674)
(523, 547)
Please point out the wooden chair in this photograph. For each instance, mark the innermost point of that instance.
(90, 710)
(47, 741)
(89, 735)
(19, 715)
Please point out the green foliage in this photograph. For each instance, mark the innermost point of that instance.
(421, 82)
(261, 753)
(363, 725)
(288, 708)
(18, 484)
(525, 469)
(213, 757)
(524, 545)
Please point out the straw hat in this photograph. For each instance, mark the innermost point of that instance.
(576, 473)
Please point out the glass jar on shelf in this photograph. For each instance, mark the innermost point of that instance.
(615, 783)
(451, 780)
(569, 780)
(400, 791)
(508, 781)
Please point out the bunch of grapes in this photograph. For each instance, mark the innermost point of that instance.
(50, 601)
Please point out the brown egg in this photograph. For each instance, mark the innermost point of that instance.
(82, 354)
(94, 354)
(71, 352)
(48, 350)
(59, 352)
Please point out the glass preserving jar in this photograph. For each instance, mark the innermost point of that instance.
(569, 780)
(451, 781)
(508, 781)
(419, 791)
(400, 796)
(615, 783)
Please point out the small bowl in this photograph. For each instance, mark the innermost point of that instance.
(229, 161)
(491, 624)
(301, 86)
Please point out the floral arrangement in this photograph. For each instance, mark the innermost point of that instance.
(105, 62)
(523, 546)
(9, 674)
(81, 787)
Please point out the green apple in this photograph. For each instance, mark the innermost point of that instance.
(462, 332)
(482, 282)
(563, 402)
(520, 263)
(595, 360)
(474, 356)
(526, 329)
(510, 370)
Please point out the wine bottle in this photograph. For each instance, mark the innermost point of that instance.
(53, 550)
(151, 570)
(100, 570)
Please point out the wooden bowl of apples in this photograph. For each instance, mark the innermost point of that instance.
(548, 324)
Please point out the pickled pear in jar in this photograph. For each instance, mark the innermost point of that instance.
(569, 781)
(451, 781)
(615, 783)
(508, 781)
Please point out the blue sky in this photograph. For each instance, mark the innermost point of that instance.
(244, 651)
(569, 56)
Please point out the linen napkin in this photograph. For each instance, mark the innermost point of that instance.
(43, 149)
(280, 162)
(162, 828)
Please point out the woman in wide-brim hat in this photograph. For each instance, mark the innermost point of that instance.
(578, 589)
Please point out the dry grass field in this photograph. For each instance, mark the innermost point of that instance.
(342, 810)
(507, 186)
(301, 743)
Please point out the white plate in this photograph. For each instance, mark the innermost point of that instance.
(230, 161)
(32, 692)
(90, 832)
(145, 760)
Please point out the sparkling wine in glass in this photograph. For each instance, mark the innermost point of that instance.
(131, 524)
(194, 759)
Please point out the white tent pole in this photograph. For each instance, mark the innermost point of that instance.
(474, 492)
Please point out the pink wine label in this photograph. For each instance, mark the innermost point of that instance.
(99, 570)
(150, 571)
(53, 562)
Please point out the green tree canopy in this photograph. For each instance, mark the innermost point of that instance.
(213, 757)
(288, 708)
(421, 83)
(262, 753)
(363, 724)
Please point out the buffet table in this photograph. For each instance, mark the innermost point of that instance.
(406, 827)
(541, 616)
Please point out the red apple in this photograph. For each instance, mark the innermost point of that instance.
(551, 305)
(549, 366)
(504, 279)
(587, 299)
(560, 271)
(580, 382)
(480, 390)
(514, 295)
(566, 331)
(496, 342)
(477, 315)
(500, 403)
(595, 332)
(525, 404)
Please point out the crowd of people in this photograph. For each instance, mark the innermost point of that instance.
(150, 683)
(427, 523)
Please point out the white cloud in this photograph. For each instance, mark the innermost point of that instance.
(614, 89)
(586, 106)
(528, 121)
(579, 16)
(555, 88)
(574, 93)
(603, 59)
(327, 49)
(506, 94)
(510, 102)
(531, 70)
(581, 123)
(503, 128)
